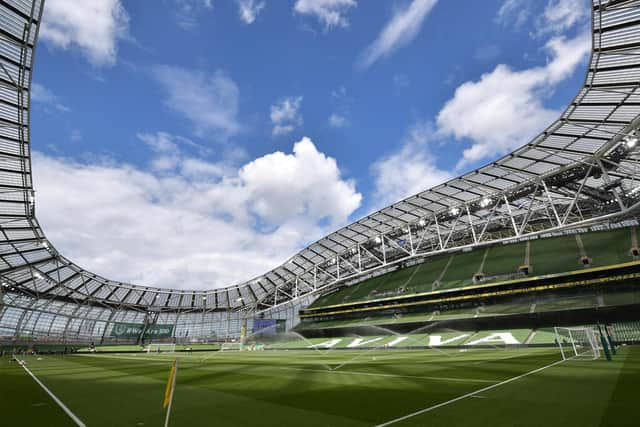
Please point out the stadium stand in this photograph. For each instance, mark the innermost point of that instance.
(547, 233)
(547, 256)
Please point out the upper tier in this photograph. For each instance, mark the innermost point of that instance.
(551, 255)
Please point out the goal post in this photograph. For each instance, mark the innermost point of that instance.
(577, 343)
(161, 348)
(231, 346)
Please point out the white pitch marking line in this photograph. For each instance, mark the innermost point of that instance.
(464, 396)
(73, 416)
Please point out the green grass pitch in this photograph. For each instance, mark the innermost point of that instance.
(326, 388)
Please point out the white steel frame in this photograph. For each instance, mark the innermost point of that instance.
(583, 169)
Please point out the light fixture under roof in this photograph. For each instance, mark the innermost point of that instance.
(378, 239)
(630, 141)
(486, 201)
(454, 211)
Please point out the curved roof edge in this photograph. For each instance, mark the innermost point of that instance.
(582, 169)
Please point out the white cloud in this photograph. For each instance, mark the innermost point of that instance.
(499, 112)
(188, 12)
(44, 96)
(556, 17)
(504, 108)
(94, 27)
(195, 224)
(208, 100)
(280, 186)
(408, 171)
(399, 31)
(560, 15)
(249, 10)
(337, 120)
(517, 12)
(330, 13)
(286, 116)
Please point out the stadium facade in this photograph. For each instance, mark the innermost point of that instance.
(582, 171)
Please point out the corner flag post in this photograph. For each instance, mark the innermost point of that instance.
(168, 393)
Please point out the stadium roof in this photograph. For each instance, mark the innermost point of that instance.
(582, 169)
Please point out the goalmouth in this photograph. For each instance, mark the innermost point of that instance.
(577, 343)
(231, 346)
(161, 348)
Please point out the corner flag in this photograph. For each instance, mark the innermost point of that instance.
(168, 392)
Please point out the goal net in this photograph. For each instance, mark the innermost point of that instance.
(231, 346)
(578, 343)
(161, 348)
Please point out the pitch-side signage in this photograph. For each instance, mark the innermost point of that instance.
(132, 330)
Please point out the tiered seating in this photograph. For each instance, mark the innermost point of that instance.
(462, 268)
(627, 331)
(608, 248)
(546, 256)
(572, 303)
(504, 258)
(621, 298)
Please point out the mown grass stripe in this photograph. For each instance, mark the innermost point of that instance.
(71, 415)
(464, 396)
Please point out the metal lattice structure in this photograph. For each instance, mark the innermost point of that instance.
(583, 169)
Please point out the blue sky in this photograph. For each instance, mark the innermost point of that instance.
(201, 143)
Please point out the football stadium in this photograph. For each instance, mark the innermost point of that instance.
(509, 295)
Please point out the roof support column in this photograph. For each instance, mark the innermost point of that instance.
(435, 217)
(607, 181)
(473, 229)
(553, 207)
(513, 221)
(413, 251)
(575, 199)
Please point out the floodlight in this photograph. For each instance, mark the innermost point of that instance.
(485, 202)
(454, 211)
(422, 223)
(630, 141)
(378, 239)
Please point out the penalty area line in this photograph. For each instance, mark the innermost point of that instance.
(71, 415)
(471, 394)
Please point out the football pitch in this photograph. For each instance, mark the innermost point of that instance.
(476, 387)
